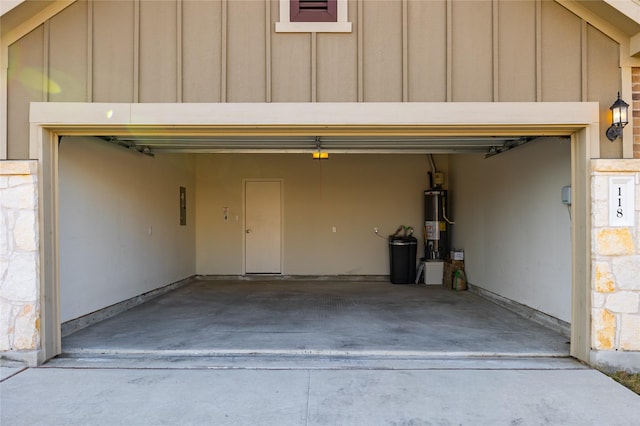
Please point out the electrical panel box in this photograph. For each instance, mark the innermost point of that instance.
(183, 206)
(566, 195)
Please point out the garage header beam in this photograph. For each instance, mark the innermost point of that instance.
(311, 119)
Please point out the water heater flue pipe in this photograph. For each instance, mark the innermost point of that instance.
(432, 163)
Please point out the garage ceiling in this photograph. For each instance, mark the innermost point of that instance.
(488, 145)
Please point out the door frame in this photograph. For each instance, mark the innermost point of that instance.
(49, 121)
(244, 221)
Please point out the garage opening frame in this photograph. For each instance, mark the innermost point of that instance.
(51, 121)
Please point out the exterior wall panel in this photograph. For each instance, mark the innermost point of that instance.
(382, 46)
(228, 51)
(113, 50)
(158, 56)
(427, 51)
(561, 54)
(472, 56)
(201, 50)
(602, 69)
(291, 67)
(517, 51)
(337, 68)
(26, 79)
(68, 62)
(246, 78)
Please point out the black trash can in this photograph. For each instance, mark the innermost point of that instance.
(402, 259)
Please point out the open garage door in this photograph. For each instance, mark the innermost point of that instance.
(207, 163)
(119, 217)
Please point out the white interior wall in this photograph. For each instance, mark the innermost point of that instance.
(511, 223)
(353, 193)
(119, 224)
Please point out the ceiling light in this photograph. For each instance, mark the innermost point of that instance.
(320, 155)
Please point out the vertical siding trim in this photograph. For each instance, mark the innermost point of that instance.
(223, 52)
(360, 51)
(583, 60)
(267, 47)
(496, 51)
(314, 67)
(449, 51)
(626, 76)
(405, 51)
(4, 86)
(45, 60)
(538, 50)
(179, 51)
(136, 51)
(89, 51)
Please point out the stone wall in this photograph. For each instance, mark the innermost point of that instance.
(19, 261)
(615, 271)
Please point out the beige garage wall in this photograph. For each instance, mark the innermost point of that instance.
(354, 193)
(511, 223)
(119, 224)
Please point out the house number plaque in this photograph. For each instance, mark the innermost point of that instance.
(621, 201)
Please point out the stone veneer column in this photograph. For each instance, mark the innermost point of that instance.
(615, 255)
(19, 261)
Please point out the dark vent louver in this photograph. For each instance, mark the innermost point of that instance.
(317, 5)
(313, 10)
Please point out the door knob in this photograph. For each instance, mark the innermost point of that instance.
(248, 231)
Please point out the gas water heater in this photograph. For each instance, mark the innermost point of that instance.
(436, 231)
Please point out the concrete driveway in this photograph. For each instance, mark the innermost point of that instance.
(335, 353)
(480, 392)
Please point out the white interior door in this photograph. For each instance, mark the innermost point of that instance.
(263, 227)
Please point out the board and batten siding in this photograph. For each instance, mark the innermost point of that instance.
(228, 51)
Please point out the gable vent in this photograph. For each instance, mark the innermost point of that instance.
(317, 5)
(313, 10)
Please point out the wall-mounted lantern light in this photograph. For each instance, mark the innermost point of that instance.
(619, 119)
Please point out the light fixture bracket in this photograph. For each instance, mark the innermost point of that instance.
(614, 132)
(319, 154)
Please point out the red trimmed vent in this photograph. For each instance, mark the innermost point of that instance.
(313, 10)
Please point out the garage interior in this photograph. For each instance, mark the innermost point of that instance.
(121, 236)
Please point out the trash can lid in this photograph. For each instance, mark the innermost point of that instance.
(402, 241)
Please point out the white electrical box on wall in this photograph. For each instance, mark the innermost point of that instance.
(438, 178)
(566, 195)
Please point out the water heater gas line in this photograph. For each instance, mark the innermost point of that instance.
(444, 213)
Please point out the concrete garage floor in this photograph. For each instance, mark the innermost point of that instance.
(325, 318)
